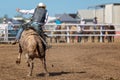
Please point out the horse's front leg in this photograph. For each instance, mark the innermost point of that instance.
(19, 55)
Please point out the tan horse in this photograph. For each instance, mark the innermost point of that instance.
(73, 29)
(33, 47)
(57, 38)
(60, 39)
(110, 27)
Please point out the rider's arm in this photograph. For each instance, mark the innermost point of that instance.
(46, 18)
(25, 11)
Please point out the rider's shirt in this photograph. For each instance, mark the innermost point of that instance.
(32, 12)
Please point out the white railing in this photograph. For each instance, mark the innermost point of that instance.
(5, 36)
(50, 28)
(67, 30)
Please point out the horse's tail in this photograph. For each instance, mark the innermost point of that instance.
(40, 52)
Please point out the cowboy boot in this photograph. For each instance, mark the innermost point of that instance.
(14, 42)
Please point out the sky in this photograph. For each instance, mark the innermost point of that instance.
(8, 7)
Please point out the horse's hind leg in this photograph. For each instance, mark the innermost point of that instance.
(44, 65)
(19, 55)
(31, 65)
(93, 38)
(112, 38)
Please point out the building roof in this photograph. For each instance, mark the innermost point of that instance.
(66, 18)
(103, 5)
(73, 15)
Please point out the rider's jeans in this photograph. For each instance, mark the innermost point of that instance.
(19, 33)
(35, 25)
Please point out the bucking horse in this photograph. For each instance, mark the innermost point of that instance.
(32, 46)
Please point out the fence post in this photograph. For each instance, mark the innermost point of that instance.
(6, 33)
(68, 38)
(101, 34)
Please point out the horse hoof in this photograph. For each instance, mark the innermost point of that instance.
(17, 62)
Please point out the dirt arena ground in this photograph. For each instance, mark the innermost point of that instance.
(88, 61)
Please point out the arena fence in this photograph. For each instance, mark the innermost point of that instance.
(65, 30)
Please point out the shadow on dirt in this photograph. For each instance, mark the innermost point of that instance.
(59, 73)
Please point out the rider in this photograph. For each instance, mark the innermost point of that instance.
(95, 20)
(39, 18)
